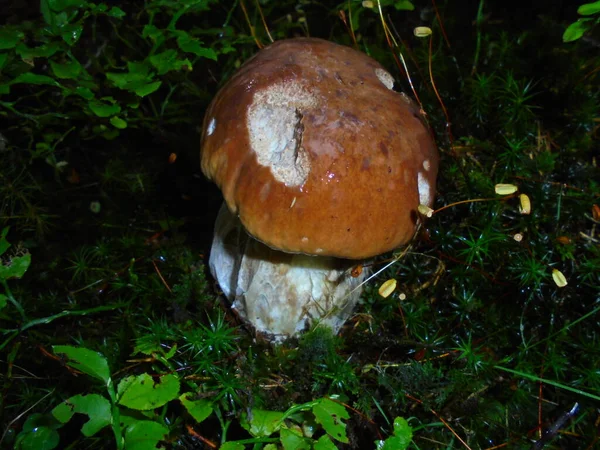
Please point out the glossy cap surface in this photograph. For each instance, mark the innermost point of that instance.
(316, 153)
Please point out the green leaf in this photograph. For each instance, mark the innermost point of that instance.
(404, 5)
(84, 92)
(15, 267)
(193, 45)
(98, 9)
(32, 78)
(402, 436)
(292, 440)
(153, 33)
(87, 361)
(3, 301)
(147, 89)
(136, 72)
(43, 51)
(116, 12)
(263, 423)
(330, 414)
(68, 70)
(3, 59)
(576, 30)
(38, 433)
(46, 12)
(42, 438)
(103, 109)
(9, 38)
(232, 446)
(61, 5)
(71, 33)
(96, 407)
(142, 392)
(589, 8)
(164, 61)
(144, 435)
(117, 122)
(324, 443)
(138, 79)
(199, 409)
(167, 61)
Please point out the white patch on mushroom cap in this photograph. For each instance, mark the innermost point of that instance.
(210, 129)
(385, 78)
(275, 128)
(426, 165)
(425, 197)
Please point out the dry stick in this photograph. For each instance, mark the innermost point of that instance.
(262, 17)
(474, 200)
(441, 419)
(349, 28)
(352, 26)
(437, 94)
(407, 48)
(393, 45)
(439, 19)
(191, 431)
(553, 430)
(252, 31)
(161, 277)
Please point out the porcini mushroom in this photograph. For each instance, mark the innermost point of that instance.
(320, 162)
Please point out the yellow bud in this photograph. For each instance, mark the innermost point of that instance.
(386, 289)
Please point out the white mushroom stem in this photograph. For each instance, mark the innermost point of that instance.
(280, 294)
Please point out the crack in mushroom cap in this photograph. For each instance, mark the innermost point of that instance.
(317, 154)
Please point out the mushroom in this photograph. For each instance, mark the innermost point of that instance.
(322, 166)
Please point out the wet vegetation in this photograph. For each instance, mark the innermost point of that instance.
(114, 335)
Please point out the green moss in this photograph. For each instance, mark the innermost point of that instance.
(477, 340)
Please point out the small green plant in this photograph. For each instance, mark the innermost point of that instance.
(55, 59)
(577, 29)
(401, 438)
(11, 266)
(130, 411)
(134, 393)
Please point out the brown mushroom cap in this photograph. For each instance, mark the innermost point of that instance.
(317, 154)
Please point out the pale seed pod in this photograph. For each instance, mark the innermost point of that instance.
(387, 288)
(425, 210)
(505, 189)
(559, 278)
(422, 32)
(524, 204)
